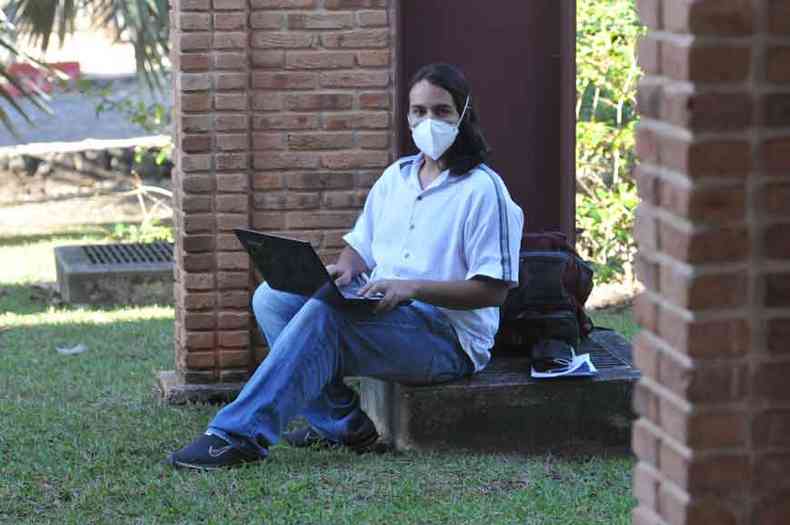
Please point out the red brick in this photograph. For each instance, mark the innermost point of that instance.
(645, 402)
(709, 17)
(230, 21)
(647, 272)
(198, 223)
(322, 219)
(233, 142)
(699, 63)
(193, 41)
(775, 111)
(778, 16)
(194, 22)
(265, 20)
(646, 228)
(778, 335)
(229, 221)
(195, 203)
(194, 5)
(200, 301)
(229, 40)
(233, 299)
(715, 291)
(291, 80)
(645, 442)
(233, 182)
(724, 429)
(199, 281)
(199, 360)
(650, 98)
(320, 21)
(775, 154)
(344, 199)
(352, 79)
(231, 122)
(649, 54)
(646, 312)
(199, 340)
(193, 82)
(233, 280)
(286, 200)
(776, 242)
(284, 40)
(645, 516)
(360, 38)
(647, 144)
(777, 290)
(707, 204)
(196, 102)
(267, 101)
(770, 428)
(770, 472)
(319, 101)
(197, 243)
(231, 161)
(320, 141)
(704, 246)
(645, 485)
(650, 13)
(377, 18)
(228, 242)
(269, 59)
(775, 509)
(702, 382)
(352, 160)
(194, 62)
(707, 158)
(708, 111)
(268, 181)
(375, 100)
(289, 160)
(320, 180)
(357, 120)
(196, 123)
(283, 4)
(230, 5)
(354, 4)
(230, 101)
(704, 339)
(285, 121)
(232, 203)
(774, 200)
(373, 140)
(378, 58)
(233, 261)
(313, 237)
(777, 67)
(333, 239)
(238, 339)
(197, 183)
(233, 320)
(268, 221)
(230, 81)
(269, 141)
(199, 321)
(677, 508)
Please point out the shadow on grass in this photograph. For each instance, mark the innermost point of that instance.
(89, 233)
(39, 298)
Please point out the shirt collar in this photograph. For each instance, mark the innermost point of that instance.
(413, 175)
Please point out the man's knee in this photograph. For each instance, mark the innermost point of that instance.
(261, 298)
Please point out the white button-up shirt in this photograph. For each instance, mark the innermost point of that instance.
(457, 228)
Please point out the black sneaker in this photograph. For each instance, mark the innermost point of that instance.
(209, 452)
(309, 437)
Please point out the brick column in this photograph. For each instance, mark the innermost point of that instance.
(713, 228)
(284, 119)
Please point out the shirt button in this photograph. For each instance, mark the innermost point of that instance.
(406, 255)
(419, 198)
(411, 226)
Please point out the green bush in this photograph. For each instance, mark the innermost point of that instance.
(606, 80)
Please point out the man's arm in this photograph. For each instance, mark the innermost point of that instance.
(458, 295)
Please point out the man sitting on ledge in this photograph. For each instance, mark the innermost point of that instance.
(441, 236)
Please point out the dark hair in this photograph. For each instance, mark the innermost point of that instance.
(470, 147)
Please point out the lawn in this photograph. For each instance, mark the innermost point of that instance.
(83, 438)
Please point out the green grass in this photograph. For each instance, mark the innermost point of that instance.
(82, 439)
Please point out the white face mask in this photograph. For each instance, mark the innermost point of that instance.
(434, 137)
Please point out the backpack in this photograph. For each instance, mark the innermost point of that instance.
(548, 304)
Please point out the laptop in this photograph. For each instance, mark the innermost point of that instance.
(291, 265)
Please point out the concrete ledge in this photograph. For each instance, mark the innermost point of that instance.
(503, 409)
(174, 392)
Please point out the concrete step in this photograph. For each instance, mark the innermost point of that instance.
(504, 409)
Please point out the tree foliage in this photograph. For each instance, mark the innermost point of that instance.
(606, 80)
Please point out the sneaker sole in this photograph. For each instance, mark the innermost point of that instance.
(192, 466)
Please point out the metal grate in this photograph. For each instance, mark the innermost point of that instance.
(602, 358)
(134, 253)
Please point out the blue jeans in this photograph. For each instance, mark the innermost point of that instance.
(313, 346)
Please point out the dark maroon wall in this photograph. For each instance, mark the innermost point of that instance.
(519, 59)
